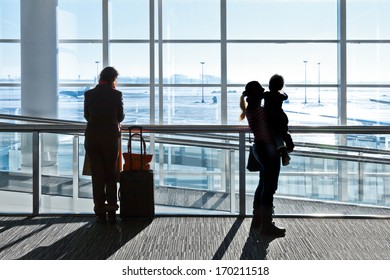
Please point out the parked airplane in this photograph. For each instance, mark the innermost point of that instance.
(72, 93)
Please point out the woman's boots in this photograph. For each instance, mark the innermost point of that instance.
(268, 227)
(256, 220)
(262, 222)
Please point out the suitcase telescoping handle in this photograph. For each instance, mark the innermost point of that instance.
(142, 143)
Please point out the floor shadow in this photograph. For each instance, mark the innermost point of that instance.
(92, 241)
(41, 225)
(228, 239)
(256, 246)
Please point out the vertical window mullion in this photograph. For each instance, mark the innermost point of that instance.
(105, 32)
(342, 61)
(152, 98)
(223, 64)
(160, 64)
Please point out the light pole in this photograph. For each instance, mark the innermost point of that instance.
(305, 62)
(202, 63)
(319, 81)
(97, 70)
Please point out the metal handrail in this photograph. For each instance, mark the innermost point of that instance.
(37, 119)
(64, 127)
(55, 125)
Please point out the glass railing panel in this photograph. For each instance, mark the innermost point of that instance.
(85, 181)
(191, 178)
(336, 174)
(60, 192)
(15, 173)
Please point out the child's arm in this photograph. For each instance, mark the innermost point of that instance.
(289, 142)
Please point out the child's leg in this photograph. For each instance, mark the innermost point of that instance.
(282, 149)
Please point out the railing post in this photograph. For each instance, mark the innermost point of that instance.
(342, 167)
(75, 169)
(242, 172)
(361, 179)
(230, 186)
(37, 172)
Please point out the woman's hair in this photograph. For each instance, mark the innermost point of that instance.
(276, 82)
(108, 74)
(251, 90)
(243, 107)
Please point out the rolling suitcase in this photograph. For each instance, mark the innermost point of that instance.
(136, 186)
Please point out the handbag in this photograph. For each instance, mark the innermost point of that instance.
(135, 161)
(252, 165)
(86, 166)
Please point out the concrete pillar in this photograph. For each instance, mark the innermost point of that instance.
(39, 72)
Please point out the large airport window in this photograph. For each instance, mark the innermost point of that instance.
(9, 62)
(129, 19)
(280, 19)
(299, 63)
(191, 19)
(368, 20)
(131, 61)
(136, 104)
(80, 19)
(71, 102)
(192, 105)
(305, 105)
(9, 19)
(233, 106)
(80, 62)
(368, 63)
(192, 63)
(368, 106)
(311, 105)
